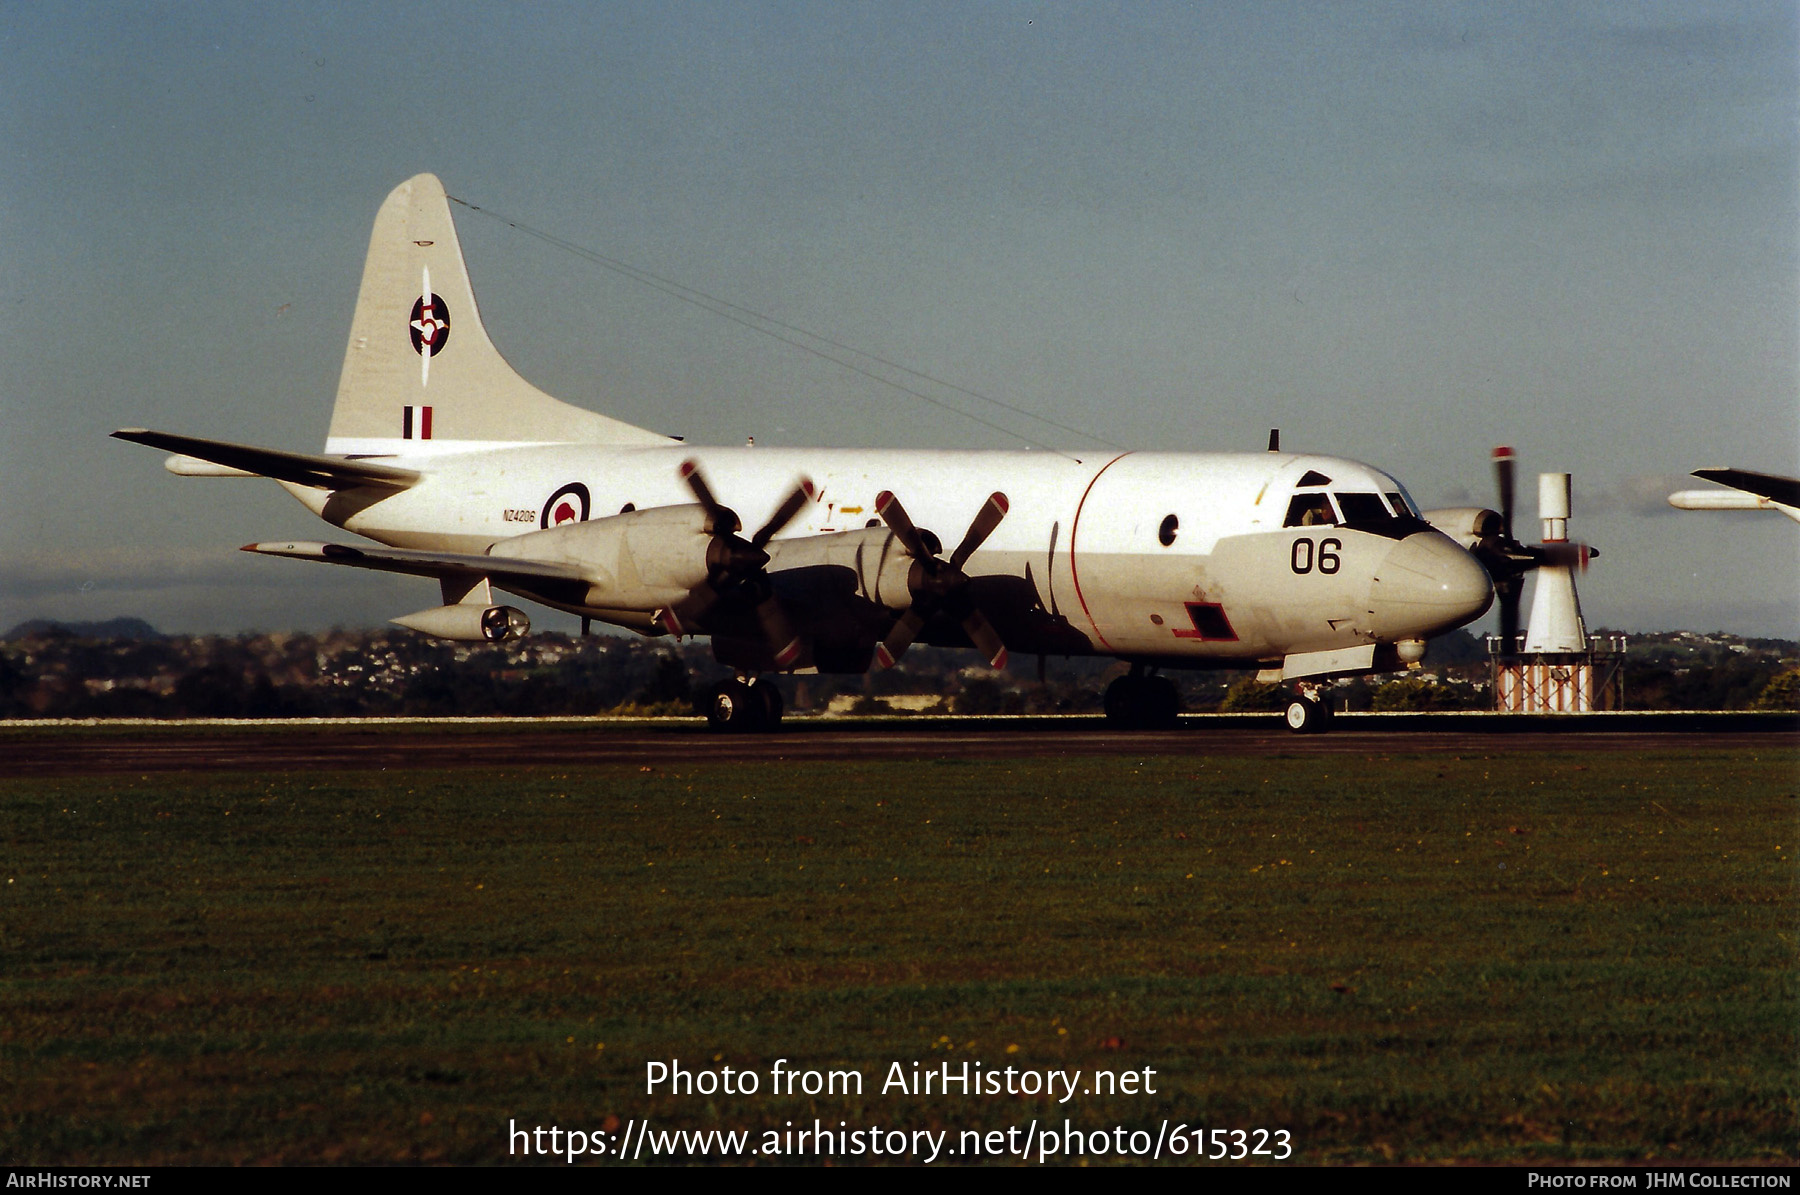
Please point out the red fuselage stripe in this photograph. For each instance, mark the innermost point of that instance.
(1075, 527)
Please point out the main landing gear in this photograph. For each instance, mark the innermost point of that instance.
(1307, 714)
(743, 705)
(1140, 701)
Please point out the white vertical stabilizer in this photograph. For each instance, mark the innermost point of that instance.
(420, 372)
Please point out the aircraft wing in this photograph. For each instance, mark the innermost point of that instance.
(1749, 491)
(323, 472)
(1783, 491)
(422, 564)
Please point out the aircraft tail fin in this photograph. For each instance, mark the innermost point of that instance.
(421, 367)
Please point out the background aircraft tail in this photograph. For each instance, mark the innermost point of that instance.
(421, 367)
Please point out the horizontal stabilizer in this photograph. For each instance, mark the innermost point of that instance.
(323, 472)
(1782, 490)
(419, 563)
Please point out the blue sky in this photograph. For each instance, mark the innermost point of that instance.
(1403, 233)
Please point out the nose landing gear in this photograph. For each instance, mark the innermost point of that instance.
(1306, 713)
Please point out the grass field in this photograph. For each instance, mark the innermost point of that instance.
(1505, 958)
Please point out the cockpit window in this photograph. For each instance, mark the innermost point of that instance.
(1407, 502)
(1312, 477)
(1310, 510)
(1387, 515)
(1364, 508)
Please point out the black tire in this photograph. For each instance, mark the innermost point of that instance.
(733, 707)
(1159, 704)
(772, 705)
(1142, 703)
(1121, 702)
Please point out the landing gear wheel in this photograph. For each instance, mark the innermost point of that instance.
(1307, 716)
(772, 707)
(1142, 702)
(735, 707)
(1161, 703)
(1119, 702)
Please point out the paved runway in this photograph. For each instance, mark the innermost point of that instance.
(264, 747)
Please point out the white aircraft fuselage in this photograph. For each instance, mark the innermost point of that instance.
(1081, 546)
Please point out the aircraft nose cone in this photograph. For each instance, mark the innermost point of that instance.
(1427, 585)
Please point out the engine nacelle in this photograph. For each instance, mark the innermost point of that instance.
(474, 624)
(873, 556)
(640, 560)
(1467, 525)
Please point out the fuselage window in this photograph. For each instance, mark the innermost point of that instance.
(1310, 510)
(1364, 508)
(1165, 534)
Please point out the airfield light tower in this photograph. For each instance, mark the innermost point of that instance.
(1555, 626)
(1559, 668)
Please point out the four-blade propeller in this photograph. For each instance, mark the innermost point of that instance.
(938, 585)
(736, 568)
